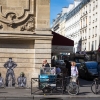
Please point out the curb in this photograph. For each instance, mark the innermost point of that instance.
(68, 96)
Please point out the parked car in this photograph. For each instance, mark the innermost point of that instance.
(78, 65)
(88, 70)
(60, 62)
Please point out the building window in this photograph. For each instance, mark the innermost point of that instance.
(96, 4)
(80, 32)
(89, 46)
(95, 44)
(85, 30)
(89, 8)
(89, 32)
(85, 45)
(86, 21)
(95, 29)
(89, 20)
(92, 48)
(93, 5)
(83, 22)
(96, 19)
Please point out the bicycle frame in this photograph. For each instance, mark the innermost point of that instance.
(73, 79)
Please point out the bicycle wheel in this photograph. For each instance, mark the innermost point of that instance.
(95, 87)
(73, 88)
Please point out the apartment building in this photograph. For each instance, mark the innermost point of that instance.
(81, 23)
(72, 27)
(90, 25)
(93, 28)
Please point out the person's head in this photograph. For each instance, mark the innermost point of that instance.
(10, 59)
(73, 63)
(45, 61)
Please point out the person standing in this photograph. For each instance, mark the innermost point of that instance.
(65, 74)
(68, 67)
(74, 71)
(45, 67)
(45, 64)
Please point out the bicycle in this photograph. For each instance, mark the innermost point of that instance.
(95, 87)
(72, 87)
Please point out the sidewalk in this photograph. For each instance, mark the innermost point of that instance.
(12, 92)
(85, 91)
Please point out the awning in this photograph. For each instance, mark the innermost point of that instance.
(61, 44)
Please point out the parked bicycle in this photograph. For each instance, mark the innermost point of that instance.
(72, 87)
(95, 87)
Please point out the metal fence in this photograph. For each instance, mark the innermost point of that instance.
(41, 86)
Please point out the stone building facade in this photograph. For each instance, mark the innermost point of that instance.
(25, 35)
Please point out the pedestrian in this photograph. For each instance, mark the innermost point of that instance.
(68, 67)
(65, 74)
(45, 67)
(58, 70)
(74, 71)
(45, 64)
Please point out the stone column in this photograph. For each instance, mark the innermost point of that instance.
(42, 51)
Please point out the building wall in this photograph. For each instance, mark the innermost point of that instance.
(90, 22)
(25, 36)
(93, 26)
(84, 25)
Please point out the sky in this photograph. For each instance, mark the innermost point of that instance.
(56, 7)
